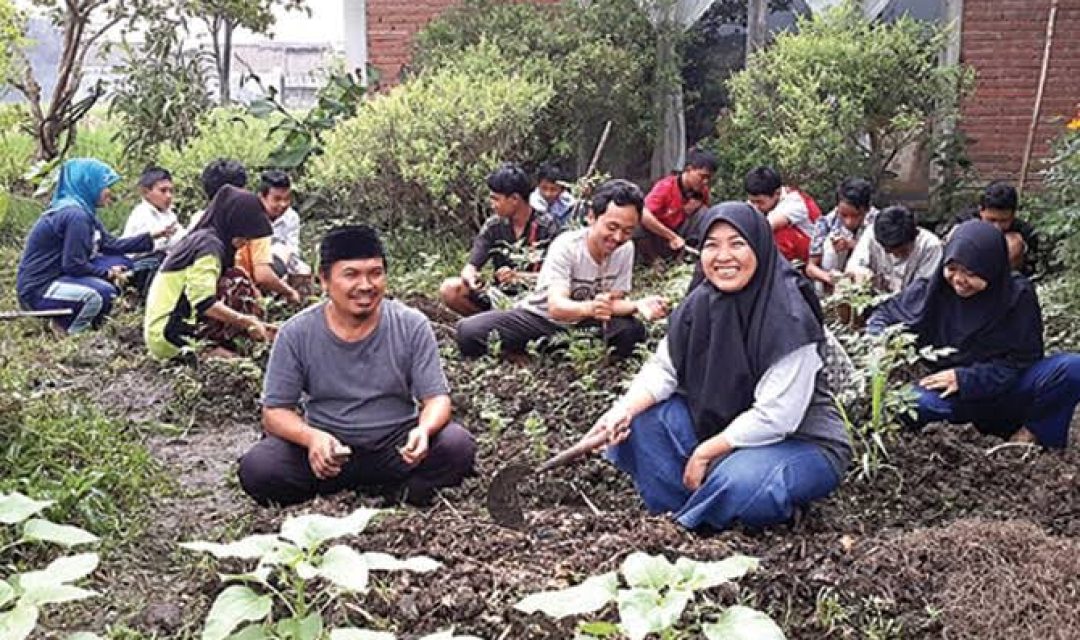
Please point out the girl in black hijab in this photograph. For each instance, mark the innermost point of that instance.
(194, 288)
(731, 418)
(996, 377)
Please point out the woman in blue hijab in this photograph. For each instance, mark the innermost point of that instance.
(996, 375)
(70, 261)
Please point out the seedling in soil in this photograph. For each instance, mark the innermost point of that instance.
(23, 594)
(656, 595)
(303, 580)
(537, 431)
(876, 404)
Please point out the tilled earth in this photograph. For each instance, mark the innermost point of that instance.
(955, 539)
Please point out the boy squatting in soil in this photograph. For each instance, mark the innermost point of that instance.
(584, 283)
(516, 223)
(361, 364)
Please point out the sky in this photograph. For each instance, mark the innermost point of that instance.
(324, 25)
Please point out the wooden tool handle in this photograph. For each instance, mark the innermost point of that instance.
(582, 447)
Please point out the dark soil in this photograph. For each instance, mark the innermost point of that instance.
(950, 542)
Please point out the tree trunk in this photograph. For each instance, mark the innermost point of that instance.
(757, 14)
(225, 64)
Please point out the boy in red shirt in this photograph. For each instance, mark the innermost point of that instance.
(792, 213)
(670, 208)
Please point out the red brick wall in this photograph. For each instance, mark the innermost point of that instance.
(1004, 40)
(391, 25)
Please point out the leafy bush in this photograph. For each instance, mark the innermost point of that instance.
(1058, 215)
(22, 594)
(161, 94)
(841, 97)
(420, 154)
(227, 133)
(16, 146)
(656, 596)
(599, 55)
(302, 137)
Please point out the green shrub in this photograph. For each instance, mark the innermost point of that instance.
(223, 133)
(16, 147)
(600, 56)
(841, 97)
(420, 154)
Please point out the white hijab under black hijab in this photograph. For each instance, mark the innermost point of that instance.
(1002, 322)
(723, 343)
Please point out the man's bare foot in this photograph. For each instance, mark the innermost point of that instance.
(1024, 436)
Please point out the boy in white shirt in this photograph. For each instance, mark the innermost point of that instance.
(153, 215)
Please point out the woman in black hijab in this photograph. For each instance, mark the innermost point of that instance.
(996, 375)
(194, 287)
(731, 419)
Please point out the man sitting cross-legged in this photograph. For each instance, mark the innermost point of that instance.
(342, 388)
(584, 282)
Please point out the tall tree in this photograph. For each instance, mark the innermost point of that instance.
(224, 17)
(82, 23)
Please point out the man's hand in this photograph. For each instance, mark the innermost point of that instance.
(694, 472)
(416, 447)
(325, 455)
(261, 331)
(504, 275)
(842, 243)
(615, 423)
(469, 277)
(946, 381)
(293, 297)
(166, 232)
(602, 307)
(652, 307)
(118, 275)
(692, 205)
(677, 243)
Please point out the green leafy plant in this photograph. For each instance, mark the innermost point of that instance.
(419, 154)
(600, 72)
(223, 133)
(657, 593)
(536, 431)
(843, 95)
(23, 594)
(302, 137)
(877, 403)
(294, 572)
(161, 93)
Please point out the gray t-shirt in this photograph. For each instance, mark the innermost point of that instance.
(570, 265)
(364, 392)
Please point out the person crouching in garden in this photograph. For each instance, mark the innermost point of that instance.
(732, 419)
(584, 283)
(515, 240)
(996, 377)
(362, 364)
(153, 214)
(70, 261)
(198, 294)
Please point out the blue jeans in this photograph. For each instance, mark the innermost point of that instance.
(758, 486)
(89, 298)
(1043, 400)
